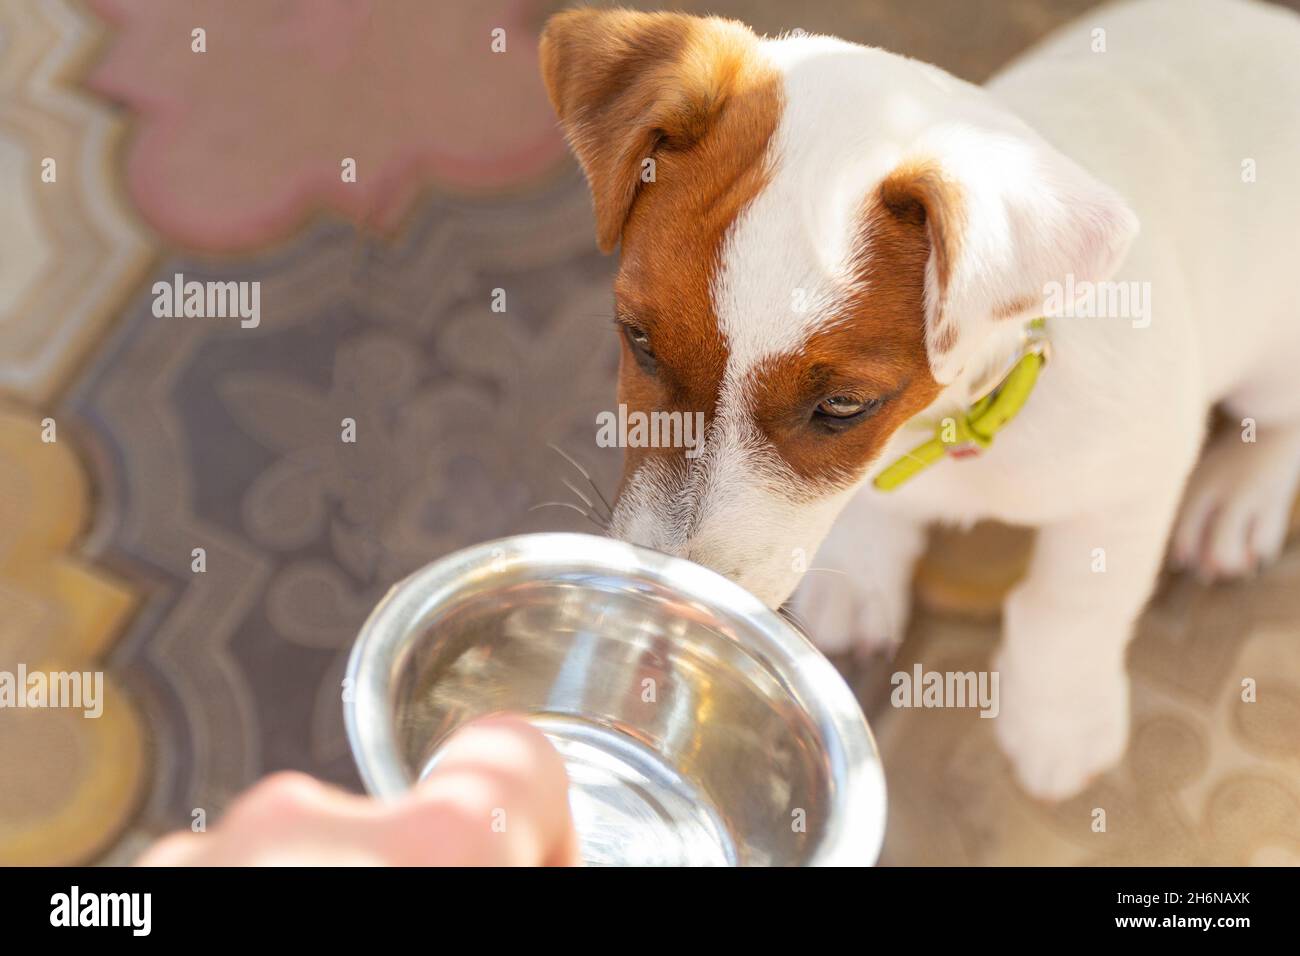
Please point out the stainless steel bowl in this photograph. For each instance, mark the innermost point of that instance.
(697, 726)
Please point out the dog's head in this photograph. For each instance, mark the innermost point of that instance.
(817, 239)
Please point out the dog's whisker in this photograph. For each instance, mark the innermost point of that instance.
(572, 507)
(578, 491)
(560, 504)
(609, 511)
(788, 613)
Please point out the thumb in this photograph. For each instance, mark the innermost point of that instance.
(498, 796)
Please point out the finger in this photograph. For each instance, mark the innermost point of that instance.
(498, 796)
(175, 849)
(292, 819)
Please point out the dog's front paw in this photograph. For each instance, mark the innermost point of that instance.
(1059, 738)
(846, 615)
(1236, 513)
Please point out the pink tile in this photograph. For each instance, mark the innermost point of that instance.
(236, 146)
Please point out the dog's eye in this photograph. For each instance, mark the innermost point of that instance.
(638, 341)
(840, 411)
(839, 406)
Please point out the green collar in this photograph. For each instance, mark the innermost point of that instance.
(972, 432)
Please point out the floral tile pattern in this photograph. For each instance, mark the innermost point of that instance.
(228, 439)
(68, 250)
(235, 146)
(68, 784)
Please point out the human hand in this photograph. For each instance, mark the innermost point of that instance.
(498, 797)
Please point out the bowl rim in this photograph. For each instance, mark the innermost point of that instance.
(856, 830)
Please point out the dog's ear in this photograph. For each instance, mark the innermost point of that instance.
(628, 84)
(1005, 215)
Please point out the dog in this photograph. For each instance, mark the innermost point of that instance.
(838, 254)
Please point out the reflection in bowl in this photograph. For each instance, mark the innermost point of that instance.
(697, 726)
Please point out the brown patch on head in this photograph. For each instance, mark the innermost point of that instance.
(692, 95)
(629, 86)
(876, 350)
(919, 193)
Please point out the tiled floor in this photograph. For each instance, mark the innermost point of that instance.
(184, 434)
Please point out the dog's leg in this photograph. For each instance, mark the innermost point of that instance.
(1064, 709)
(857, 594)
(1237, 509)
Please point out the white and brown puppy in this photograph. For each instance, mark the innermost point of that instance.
(837, 244)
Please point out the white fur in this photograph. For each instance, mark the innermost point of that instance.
(1099, 456)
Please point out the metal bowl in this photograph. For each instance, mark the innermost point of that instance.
(698, 727)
